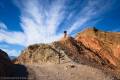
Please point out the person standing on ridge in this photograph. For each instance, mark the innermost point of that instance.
(65, 34)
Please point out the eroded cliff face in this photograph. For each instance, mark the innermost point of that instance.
(104, 44)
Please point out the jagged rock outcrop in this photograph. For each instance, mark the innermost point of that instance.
(42, 53)
(65, 50)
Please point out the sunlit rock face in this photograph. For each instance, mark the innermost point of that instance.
(106, 44)
(90, 47)
(42, 54)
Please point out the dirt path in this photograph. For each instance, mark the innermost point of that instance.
(64, 72)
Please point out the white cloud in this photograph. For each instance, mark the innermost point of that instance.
(91, 10)
(2, 26)
(40, 24)
(12, 37)
(35, 30)
(11, 52)
(77, 24)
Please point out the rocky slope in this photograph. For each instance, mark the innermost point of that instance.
(41, 54)
(63, 51)
(91, 47)
(33, 71)
(104, 44)
(84, 49)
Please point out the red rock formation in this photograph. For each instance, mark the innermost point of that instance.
(101, 43)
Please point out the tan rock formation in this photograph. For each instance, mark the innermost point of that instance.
(41, 54)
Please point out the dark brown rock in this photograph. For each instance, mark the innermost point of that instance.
(5, 64)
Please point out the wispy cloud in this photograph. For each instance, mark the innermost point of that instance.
(11, 52)
(12, 37)
(91, 10)
(40, 19)
(3, 26)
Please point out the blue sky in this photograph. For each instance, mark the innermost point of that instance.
(26, 22)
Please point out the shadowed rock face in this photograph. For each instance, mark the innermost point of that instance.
(5, 63)
(8, 70)
(4, 56)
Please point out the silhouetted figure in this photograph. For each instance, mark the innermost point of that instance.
(95, 29)
(65, 34)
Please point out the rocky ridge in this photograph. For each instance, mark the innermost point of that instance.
(91, 47)
(88, 47)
